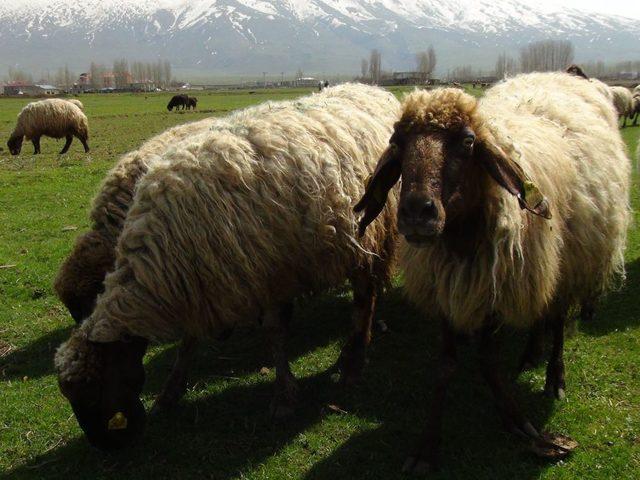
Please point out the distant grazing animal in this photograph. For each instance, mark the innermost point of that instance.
(192, 103)
(624, 103)
(636, 104)
(76, 102)
(55, 118)
(178, 101)
(513, 210)
(231, 225)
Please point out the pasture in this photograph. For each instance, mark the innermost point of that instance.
(221, 429)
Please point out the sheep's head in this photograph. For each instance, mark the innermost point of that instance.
(80, 279)
(103, 382)
(445, 155)
(15, 144)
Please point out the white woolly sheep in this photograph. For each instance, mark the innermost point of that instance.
(624, 103)
(55, 118)
(76, 102)
(484, 247)
(80, 278)
(229, 226)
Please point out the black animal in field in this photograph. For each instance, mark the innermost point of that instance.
(178, 101)
(192, 102)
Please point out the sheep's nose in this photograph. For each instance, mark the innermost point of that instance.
(417, 208)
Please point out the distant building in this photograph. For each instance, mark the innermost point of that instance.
(306, 82)
(21, 88)
(143, 86)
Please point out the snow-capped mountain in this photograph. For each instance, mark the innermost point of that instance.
(251, 36)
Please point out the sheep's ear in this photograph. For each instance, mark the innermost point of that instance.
(385, 176)
(510, 176)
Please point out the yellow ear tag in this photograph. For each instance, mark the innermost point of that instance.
(532, 195)
(117, 422)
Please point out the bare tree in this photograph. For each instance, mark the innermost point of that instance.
(505, 66)
(167, 73)
(17, 75)
(97, 76)
(375, 66)
(121, 73)
(364, 67)
(426, 63)
(546, 56)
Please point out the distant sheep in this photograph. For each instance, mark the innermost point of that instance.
(192, 102)
(229, 226)
(178, 101)
(80, 278)
(55, 118)
(76, 102)
(624, 103)
(514, 208)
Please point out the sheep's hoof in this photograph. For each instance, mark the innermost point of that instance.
(351, 364)
(418, 466)
(553, 446)
(284, 400)
(555, 391)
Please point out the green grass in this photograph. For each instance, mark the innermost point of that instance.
(221, 430)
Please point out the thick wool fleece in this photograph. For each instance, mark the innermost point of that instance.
(53, 117)
(254, 212)
(566, 143)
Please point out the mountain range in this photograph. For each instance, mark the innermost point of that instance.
(247, 37)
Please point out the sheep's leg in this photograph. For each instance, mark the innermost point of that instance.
(276, 324)
(84, 144)
(425, 457)
(353, 355)
(547, 445)
(176, 384)
(67, 144)
(555, 384)
(36, 145)
(534, 351)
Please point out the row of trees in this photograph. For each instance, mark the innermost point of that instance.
(158, 72)
(371, 69)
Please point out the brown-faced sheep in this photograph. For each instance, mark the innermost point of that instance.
(230, 226)
(54, 117)
(484, 248)
(624, 103)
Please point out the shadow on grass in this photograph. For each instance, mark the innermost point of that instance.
(35, 359)
(619, 309)
(227, 434)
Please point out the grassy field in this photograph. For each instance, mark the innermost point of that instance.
(222, 430)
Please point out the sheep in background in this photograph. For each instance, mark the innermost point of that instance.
(484, 248)
(178, 101)
(192, 102)
(76, 102)
(229, 226)
(55, 118)
(624, 103)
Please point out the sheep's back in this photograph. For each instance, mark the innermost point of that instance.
(253, 213)
(54, 118)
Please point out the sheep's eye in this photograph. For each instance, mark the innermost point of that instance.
(468, 141)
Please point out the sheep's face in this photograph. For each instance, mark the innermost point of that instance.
(15, 145)
(106, 400)
(445, 173)
(436, 168)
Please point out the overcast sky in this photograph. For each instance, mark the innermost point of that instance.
(626, 8)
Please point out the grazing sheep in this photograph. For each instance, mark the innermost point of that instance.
(76, 102)
(80, 278)
(192, 103)
(484, 247)
(624, 103)
(55, 118)
(229, 226)
(178, 101)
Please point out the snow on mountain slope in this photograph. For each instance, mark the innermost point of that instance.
(245, 36)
